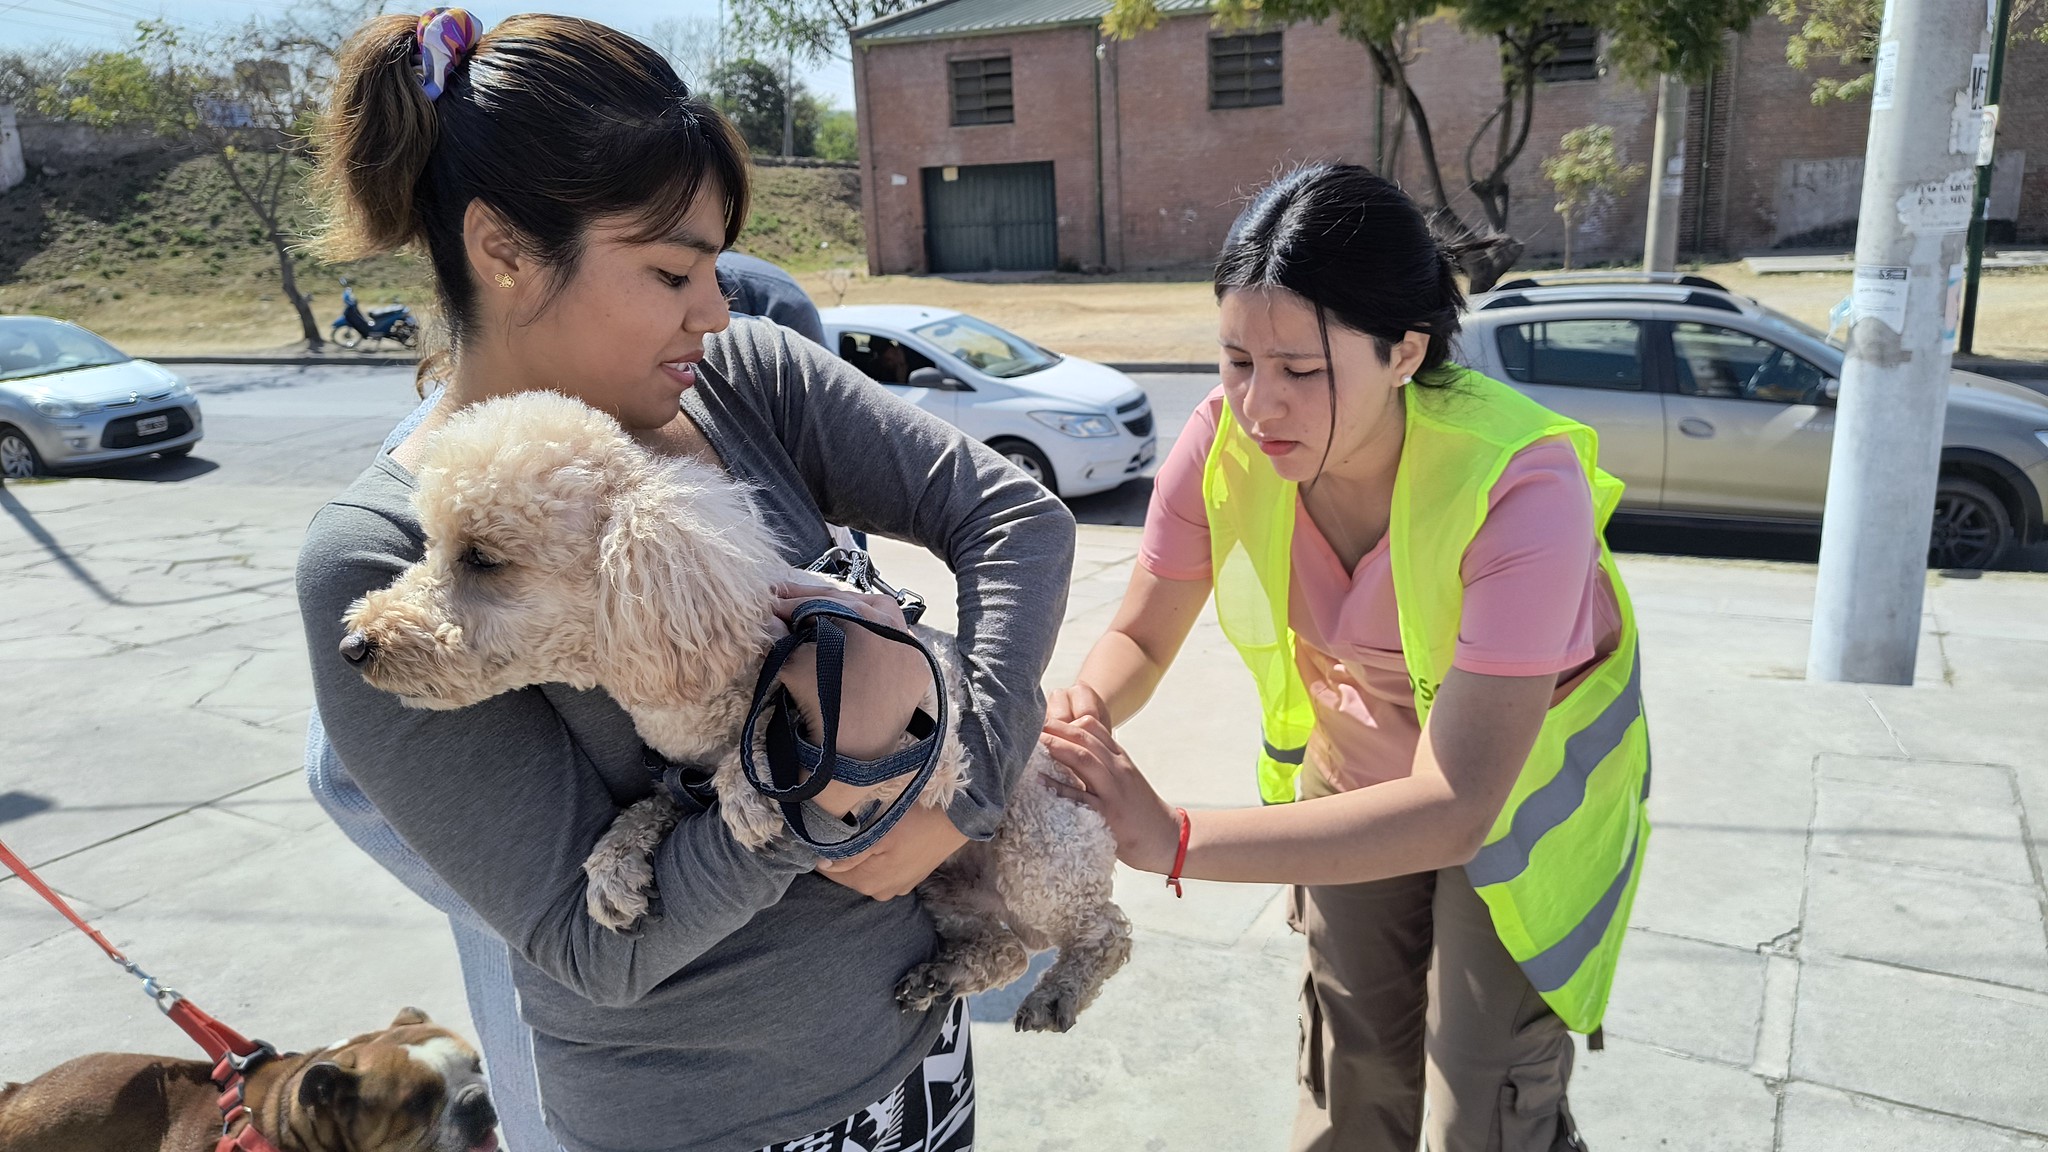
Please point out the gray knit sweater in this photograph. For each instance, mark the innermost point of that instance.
(760, 1005)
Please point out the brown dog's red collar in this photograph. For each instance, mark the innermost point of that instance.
(230, 1075)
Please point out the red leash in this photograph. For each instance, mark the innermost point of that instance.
(233, 1054)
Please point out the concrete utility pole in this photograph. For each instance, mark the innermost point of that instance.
(1918, 182)
(1667, 166)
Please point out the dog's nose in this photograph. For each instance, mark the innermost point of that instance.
(355, 647)
(474, 1116)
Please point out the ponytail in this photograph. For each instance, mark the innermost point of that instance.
(374, 141)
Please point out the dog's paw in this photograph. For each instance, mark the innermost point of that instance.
(924, 987)
(753, 821)
(620, 870)
(616, 907)
(1050, 1008)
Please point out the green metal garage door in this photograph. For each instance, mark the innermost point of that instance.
(991, 217)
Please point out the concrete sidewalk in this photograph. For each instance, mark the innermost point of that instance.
(1838, 944)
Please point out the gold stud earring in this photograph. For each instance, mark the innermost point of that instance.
(504, 281)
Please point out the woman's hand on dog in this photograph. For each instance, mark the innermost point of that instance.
(884, 681)
(1071, 703)
(1146, 829)
(924, 839)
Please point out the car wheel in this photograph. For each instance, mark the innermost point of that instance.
(347, 337)
(1971, 527)
(18, 459)
(1029, 460)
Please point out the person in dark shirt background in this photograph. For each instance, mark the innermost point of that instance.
(754, 287)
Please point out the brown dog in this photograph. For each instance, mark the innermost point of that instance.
(414, 1087)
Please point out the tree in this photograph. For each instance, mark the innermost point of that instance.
(1846, 31)
(838, 138)
(1588, 173)
(751, 93)
(694, 46)
(808, 30)
(246, 97)
(1644, 38)
(25, 73)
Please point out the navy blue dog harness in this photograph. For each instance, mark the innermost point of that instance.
(797, 769)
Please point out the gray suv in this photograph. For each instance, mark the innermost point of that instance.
(1713, 407)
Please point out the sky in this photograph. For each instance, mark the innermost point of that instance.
(111, 23)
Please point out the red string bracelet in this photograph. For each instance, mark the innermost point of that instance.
(1180, 855)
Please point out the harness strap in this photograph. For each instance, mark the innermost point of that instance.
(790, 757)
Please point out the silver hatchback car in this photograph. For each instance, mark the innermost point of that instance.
(69, 399)
(1713, 407)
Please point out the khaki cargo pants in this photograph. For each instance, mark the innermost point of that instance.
(1410, 994)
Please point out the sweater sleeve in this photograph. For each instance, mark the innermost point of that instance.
(876, 463)
(500, 802)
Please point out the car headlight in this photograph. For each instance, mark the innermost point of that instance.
(57, 409)
(1085, 425)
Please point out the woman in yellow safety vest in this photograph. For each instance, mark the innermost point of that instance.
(1408, 557)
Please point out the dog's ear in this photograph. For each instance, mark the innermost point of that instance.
(326, 1085)
(409, 1015)
(682, 589)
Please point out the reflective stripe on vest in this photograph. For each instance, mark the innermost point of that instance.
(1560, 865)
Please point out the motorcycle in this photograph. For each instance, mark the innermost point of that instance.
(391, 322)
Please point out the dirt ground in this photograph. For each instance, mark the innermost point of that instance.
(1123, 319)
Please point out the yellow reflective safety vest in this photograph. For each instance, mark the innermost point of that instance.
(1559, 867)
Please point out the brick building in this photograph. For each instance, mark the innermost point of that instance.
(1013, 134)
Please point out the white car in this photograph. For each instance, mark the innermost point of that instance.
(1073, 425)
(69, 399)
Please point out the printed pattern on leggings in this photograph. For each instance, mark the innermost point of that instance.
(932, 1111)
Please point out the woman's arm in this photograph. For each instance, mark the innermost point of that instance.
(1478, 736)
(1124, 667)
(504, 806)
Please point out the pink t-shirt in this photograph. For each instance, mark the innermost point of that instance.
(1536, 602)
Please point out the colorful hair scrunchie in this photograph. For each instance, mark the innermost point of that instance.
(446, 37)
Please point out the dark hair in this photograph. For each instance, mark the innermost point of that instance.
(1354, 246)
(552, 122)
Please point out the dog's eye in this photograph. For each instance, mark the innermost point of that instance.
(473, 557)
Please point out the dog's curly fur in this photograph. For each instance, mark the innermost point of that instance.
(560, 550)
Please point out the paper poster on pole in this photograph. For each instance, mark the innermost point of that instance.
(1880, 293)
(1940, 206)
(1952, 309)
(1886, 78)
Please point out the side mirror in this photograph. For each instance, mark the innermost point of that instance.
(1831, 387)
(933, 378)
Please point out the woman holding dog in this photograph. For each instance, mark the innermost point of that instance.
(1408, 556)
(571, 196)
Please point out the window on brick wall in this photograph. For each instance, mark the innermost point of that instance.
(981, 91)
(1244, 71)
(1577, 56)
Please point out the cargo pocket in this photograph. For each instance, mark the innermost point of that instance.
(1308, 1065)
(1532, 1110)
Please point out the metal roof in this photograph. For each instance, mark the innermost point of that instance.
(953, 19)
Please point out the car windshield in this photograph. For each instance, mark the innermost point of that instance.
(986, 347)
(1796, 325)
(35, 346)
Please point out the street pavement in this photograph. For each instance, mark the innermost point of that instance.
(1839, 941)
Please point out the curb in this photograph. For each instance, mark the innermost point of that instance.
(364, 361)
(1182, 367)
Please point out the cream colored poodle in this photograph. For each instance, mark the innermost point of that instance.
(559, 550)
